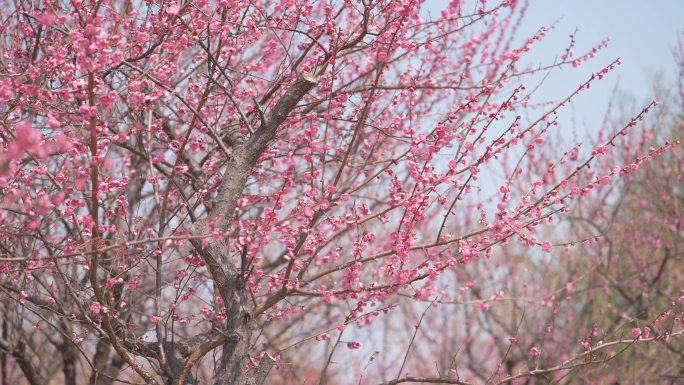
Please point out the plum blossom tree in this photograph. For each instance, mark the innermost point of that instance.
(197, 191)
(604, 303)
(635, 276)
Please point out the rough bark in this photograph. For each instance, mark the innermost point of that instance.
(100, 360)
(236, 339)
(69, 358)
(18, 351)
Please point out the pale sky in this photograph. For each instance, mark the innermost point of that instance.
(643, 34)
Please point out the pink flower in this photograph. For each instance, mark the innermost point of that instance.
(77, 338)
(647, 332)
(354, 345)
(6, 92)
(95, 307)
(46, 19)
(155, 319)
(207, 313)
(173, 9)
(547, 246)
(512, 340)
(27, 139)
(534, 351)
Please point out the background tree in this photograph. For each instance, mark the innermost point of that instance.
(621, 285)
